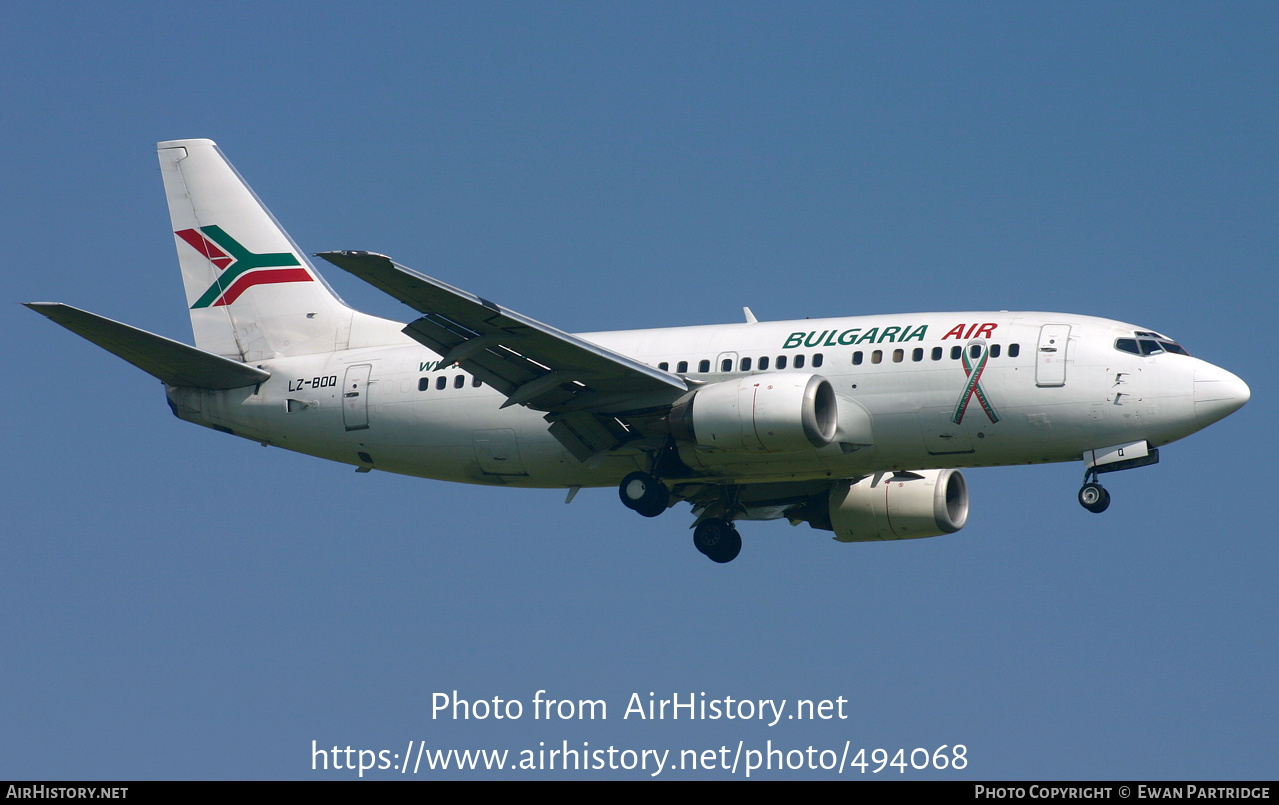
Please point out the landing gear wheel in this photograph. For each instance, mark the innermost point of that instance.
(718, 540)
(644, 493)
(1094, 498)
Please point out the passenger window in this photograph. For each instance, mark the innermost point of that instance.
(1014, 350)
(817, 360)
(994, 350)
(877, 356)
(974, 352)
(857, 358)
(781, 362)
(476, 382)
(746, 364)
(704, 366)
(955, 352)
(898, 355)
(726, 365)
(799, 361)
(664, 366)
(459, 381)
(682, 367)
(937, 351)
(763, 363)
(423, 383)
(441, 382)
(917, 355)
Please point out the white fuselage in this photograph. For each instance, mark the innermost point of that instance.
(1055, 384)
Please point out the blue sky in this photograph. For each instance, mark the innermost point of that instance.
(181, 604)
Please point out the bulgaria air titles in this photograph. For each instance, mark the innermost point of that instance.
(877, 335)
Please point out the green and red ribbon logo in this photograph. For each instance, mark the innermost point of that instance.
(974, 368)
(241, 269)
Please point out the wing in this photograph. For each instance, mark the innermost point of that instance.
(588, 392)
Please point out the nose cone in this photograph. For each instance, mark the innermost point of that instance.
(1217, 394)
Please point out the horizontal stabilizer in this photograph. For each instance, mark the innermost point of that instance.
(171, 361)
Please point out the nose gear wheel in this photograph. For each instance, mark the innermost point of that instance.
(1094, 497)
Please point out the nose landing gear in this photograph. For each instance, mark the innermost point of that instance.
(1094, 497)
(1128, 456)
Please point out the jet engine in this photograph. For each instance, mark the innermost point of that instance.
(906, 505)
(781, 412)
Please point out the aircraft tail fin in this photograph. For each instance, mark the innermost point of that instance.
(252, 293)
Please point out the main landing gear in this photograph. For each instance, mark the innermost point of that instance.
(644, 493)
(1092, 495)
(715, 537)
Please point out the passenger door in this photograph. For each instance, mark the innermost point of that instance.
(355, 396)
(1050, 357)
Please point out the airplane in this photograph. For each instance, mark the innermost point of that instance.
(857, 426)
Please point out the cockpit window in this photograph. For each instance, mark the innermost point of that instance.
(1149, 344)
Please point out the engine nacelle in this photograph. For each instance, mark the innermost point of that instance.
(909, 505)
(780, 412)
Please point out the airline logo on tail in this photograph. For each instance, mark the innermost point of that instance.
(241, 269)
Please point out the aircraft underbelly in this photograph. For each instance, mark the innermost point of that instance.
(497, 452)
